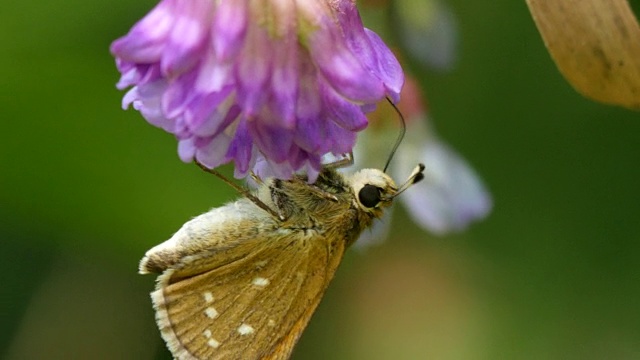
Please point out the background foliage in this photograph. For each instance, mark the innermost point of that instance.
(86, 189)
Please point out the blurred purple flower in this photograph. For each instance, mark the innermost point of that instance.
(427, 31)
(451, 196)
(270, 85)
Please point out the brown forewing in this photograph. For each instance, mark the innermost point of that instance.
(253, 301)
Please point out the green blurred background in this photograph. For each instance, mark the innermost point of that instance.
(86, 189)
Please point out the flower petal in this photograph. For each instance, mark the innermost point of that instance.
(341, 67)
(213, 154)
(178, 94)
(187, 149)
(374, 54)
(344, 113)
(145, 43)
(285, 81)
(229, 28)
(204, 116)
(274, 142)
(388, 68)
(253, 71)
(188, 36)
(240, 149)
(451, 196)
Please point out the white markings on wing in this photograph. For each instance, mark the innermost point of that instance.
(260, 281)
(211, 312)
(213, 343)
(245, 329)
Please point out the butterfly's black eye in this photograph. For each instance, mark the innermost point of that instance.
(369, 195)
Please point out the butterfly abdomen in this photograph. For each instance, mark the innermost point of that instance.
(216, 229)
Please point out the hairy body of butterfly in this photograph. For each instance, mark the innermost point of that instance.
(239, 282)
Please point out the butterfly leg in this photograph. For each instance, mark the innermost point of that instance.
(316, 190)
(344, 162)
(243, 191)
(256, 178)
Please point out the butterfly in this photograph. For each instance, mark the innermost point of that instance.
(243, 280)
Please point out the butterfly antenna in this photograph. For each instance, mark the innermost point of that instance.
(417, 175)
(403, 130)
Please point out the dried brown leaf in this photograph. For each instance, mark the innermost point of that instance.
(596, 46)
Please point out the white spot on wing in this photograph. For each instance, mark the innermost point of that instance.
(207, 333)
(271, 323)
(211, 312)
(213, 343)
(208, 296)
(260, 281)
(245, 329)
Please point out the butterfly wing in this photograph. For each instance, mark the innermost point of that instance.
(249, 298)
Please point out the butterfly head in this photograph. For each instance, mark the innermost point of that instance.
(375, 190)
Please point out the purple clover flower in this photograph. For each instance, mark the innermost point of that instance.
(270, 85)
